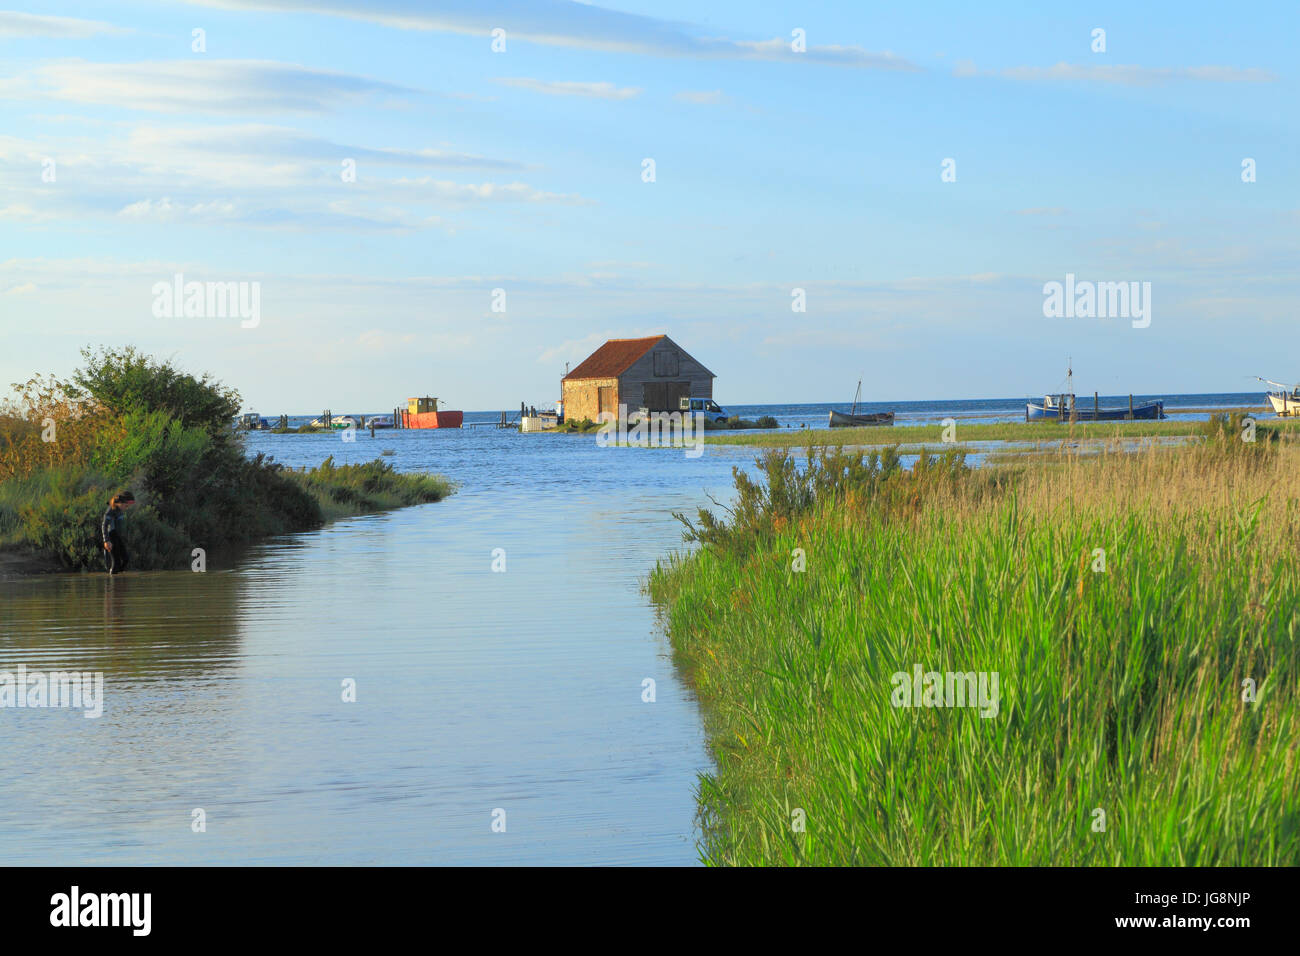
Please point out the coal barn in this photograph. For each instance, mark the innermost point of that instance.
(653, 373)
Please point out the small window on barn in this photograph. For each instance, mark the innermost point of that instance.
(665, 363)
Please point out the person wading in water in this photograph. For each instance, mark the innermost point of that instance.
(115, 555)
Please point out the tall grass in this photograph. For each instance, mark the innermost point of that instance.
(995, 431)
(341, 490)
(1121, 689)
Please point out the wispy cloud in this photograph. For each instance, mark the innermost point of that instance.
(246, 176)
(256, 142)
(164, 210)
(1042, 211)
(199, 85)
(600, 91)
(579, 25)
(1119, 75)
(14, 23)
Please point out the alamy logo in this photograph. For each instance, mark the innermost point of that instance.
(946, 689)
(102, 909)
(81, 690)
(179, 299)
(653, 430)
(1098, 300)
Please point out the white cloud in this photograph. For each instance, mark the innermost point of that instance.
(488, 192)
(164, 210)
(245, 175)
(255, 142)
(14, 23)
(1119, 74)
(600, 91)
(199, 85)
(578, 25)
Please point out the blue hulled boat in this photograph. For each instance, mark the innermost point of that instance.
(1062, 407)
(1056, 408)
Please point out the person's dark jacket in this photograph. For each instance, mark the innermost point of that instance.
(112, 523)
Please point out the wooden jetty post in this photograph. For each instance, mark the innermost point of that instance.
(1096, 407)
(1130, 406)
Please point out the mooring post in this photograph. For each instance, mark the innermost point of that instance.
(1130, 406)
(1096, 407)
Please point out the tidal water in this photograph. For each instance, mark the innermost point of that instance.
(482, 696)
(477, 691)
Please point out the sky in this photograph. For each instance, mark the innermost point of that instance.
(458, 198)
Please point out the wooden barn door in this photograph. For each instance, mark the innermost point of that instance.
(654, 396)
(676, 392)
(605, 400)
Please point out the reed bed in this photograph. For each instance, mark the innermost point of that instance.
(1121, 736)
(996, 431)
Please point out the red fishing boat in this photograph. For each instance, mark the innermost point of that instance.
(424, 413)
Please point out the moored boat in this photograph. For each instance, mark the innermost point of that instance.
(848, 420)
(854, 420)
(1286, 400)
(424, 413)
(1064, 406)
(338, 421)
(380, 421)
(251, 421)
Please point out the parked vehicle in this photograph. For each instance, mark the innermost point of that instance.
(711, 409)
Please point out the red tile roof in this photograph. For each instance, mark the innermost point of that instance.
(613, 358)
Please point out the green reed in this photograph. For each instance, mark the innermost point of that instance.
(1120, 689)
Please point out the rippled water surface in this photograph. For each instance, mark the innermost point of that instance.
(476, 690)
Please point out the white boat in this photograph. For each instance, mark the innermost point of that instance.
(1286, 400)
(380, 421)
(338, 421)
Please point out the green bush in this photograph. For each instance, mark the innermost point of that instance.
(125, 380)
(784, 492)
(165, 436)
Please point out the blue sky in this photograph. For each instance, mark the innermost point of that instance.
(521, 170)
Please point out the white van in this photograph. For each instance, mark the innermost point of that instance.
(711, 409)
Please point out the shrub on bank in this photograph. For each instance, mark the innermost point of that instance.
(127, 421)
(373, 486)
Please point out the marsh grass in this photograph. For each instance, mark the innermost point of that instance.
(372, 486)
(1001, 431)
(1121, 690)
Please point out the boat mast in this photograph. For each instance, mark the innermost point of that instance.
(856, 396)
